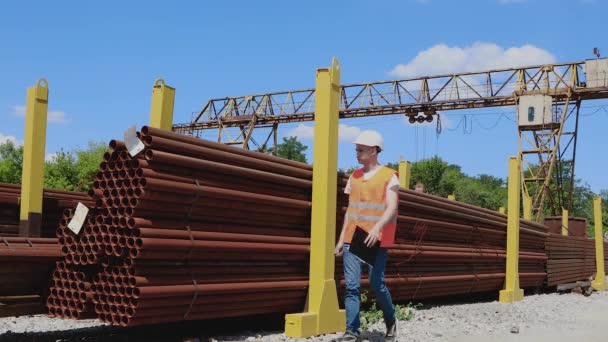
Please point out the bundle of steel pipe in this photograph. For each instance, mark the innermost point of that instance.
(187, 222)
(70, 293)
(445, 247)
(25, 267)
(168, 240)
(54, 202)
(571, 259)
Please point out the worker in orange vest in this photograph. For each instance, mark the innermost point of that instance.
(373, 201)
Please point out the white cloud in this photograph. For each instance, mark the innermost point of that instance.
(49, 157)
(303, 132)
(345, 133)
(348, 133)
(57, 117)
(19, 111)
(11, 138)
(506, 2)
(52, 116)
(443, 59)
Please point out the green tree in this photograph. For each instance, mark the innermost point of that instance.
(11, 162)
(75, 169)
(450, 180)
(292, 149)
(590, 213)
(87, 163)
(430, 172)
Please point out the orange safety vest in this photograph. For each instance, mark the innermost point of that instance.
(367, 203)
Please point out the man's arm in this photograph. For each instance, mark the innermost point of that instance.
(338, 250)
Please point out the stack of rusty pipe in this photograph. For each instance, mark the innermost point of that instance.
(85, 248)
(54, 202)
(183, 225)
(25, 267)
(188, 226)
(70, 292)
(446, 247)
(571, 259)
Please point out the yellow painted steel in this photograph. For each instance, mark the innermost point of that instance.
(527, 206)
(512, 292)
(501, 210)
(163, 99)
(452, 197)
(564, 222)
(600, 276)
(405, 173)
(323, 314)
(32, 176)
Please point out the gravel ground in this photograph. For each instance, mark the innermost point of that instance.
(41, 323)
(547, 317)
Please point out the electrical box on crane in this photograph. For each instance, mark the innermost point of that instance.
(534, 111)
(596, 72)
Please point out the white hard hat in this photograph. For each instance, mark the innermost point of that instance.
(370, 138)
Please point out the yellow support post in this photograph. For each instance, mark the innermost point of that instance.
(501, 210)
(452, 197)
(527, 206)
(163, 99)
(564, 222)
(512, 292)
(32, 175)
(324, 315)
(405, 173)
(600, 276)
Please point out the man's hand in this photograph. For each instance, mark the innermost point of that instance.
(373, 236)
(339, 248)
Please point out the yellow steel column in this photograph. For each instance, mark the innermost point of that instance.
(32, 175)
(564, 222)
(501, 210)
(512, 292)
(161, 112)
(405, 173)
(600, 276)
(527, 206)
(324, 315)
(452, 197)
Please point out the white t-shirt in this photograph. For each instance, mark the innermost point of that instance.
(393, 183)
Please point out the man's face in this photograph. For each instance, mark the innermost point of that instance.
(365, 153)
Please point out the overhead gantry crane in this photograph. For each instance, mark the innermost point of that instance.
(547, 99)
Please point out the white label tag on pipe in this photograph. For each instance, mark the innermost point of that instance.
(134, 145)
(80, 215)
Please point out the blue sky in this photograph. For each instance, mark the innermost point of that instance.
(101, 60)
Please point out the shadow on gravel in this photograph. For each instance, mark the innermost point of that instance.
(471, 298)
(182, 331)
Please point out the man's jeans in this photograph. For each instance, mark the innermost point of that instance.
(352, 300)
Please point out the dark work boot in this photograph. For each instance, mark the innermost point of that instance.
(391, 331)
(348, 337)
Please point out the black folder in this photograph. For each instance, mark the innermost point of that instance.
(360, 249)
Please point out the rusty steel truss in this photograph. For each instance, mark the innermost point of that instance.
(543, 150)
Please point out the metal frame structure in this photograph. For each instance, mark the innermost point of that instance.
(542, 149)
